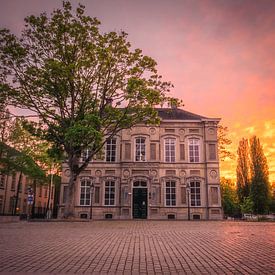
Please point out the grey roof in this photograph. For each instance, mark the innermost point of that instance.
(178, 114)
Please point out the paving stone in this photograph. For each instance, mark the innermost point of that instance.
(138, 247)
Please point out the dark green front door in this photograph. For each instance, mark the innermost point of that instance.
(140, 203)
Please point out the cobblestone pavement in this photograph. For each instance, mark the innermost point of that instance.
(138, 247)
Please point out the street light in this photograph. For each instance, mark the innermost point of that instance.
(92, 193)
(188, 199)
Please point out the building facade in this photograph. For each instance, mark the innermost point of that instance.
(168, 171)
(9, 189)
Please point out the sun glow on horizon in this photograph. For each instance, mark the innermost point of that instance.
(265, 132)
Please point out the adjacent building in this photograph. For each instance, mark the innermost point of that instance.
(168, 171)
(15, 188)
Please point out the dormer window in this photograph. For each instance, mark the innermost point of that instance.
(140, 149)
(194, 150)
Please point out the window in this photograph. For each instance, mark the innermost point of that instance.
(140, 149)
(170, 150)
(170, 193)
(85, 154)
(2, 181)
(212, 152)
(111, 150)
(85, 193)
(109, 193)
(46, 192)
(13, 181)
(40, 191)
(195, 193)
(194, 149)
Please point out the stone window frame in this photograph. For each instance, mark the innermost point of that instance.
(172, 191)
(110, 151)
(85, 191)
(141, 147)
(109, 201)
(195, 198)
(172, 141)
(197, 142)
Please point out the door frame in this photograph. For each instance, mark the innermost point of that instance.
(147, 196)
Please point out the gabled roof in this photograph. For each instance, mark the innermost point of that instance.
(178, 114)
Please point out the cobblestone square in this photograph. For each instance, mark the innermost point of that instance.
(138, 247)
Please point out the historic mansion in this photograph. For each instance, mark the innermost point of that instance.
(168, 171)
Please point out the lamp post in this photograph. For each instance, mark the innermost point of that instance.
(92, 193)
(188, 199)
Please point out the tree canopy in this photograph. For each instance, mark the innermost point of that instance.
(243, 170)
(253, 186)
(84, 85)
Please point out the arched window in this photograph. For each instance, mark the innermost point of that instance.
(170, 150)
(194, 150)
(140, 149)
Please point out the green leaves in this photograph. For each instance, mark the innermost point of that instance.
(84, 85)
(13, 160)
(252, 175)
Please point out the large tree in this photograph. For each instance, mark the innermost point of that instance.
(84, 85)
(223, 143)
(243, 170)
(229, 198)
(260, 188)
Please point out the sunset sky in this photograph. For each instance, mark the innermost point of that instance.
(220, 55)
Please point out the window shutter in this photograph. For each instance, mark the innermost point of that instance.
(127, 152)
(182, 152)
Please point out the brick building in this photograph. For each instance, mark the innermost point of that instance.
(169, 171)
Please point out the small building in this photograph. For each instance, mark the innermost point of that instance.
(168, 171)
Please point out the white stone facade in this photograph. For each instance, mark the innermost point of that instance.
(169, 171)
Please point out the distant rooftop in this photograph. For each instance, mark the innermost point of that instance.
(178, 114)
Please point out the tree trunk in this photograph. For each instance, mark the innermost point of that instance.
(69, 203)
(49, 198)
